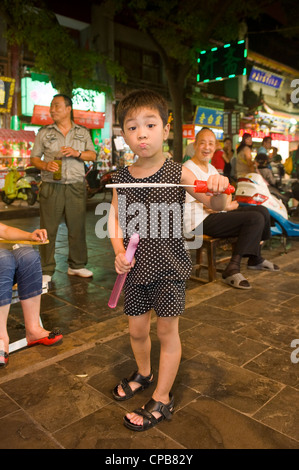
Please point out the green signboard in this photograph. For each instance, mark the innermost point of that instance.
(227, 61)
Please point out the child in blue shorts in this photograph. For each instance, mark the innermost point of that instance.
(22, 266)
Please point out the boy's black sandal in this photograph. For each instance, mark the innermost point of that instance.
(149, 420)
(144, 382)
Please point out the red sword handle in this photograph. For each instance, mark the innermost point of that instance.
(202, 187)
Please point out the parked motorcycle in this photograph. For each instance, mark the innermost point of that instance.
(17, 186)
(96, 183)
(252, 189)
(33, 176)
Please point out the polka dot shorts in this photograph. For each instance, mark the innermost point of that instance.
(166, 297)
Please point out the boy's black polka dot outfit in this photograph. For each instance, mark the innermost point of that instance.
(157, 280)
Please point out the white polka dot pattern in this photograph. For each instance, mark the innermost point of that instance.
(157, 215)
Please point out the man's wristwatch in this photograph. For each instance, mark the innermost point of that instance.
(79, 153)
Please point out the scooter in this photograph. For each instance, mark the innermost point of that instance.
(33, 176)
(96, 183)
(16, 186)
(252, 189)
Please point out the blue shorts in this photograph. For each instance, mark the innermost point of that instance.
(166, 297)
(21, 266)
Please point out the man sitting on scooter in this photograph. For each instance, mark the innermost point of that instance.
(250, 224)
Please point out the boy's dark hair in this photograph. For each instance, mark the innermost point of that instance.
(141, 99)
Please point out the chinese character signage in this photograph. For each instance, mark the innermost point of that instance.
(188, 131)
(227, 61)
(265, 78)
(7, 88)
(208, 117)
(90, 119)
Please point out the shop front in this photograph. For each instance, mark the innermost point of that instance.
(15, 149)
(88, 110)
(283, 128)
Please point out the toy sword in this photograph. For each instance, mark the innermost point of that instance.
(199, 186)
(120, 280)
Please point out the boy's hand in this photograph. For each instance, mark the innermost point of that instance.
(121, 263)
(217, 184)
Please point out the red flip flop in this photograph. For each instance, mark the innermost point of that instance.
(54, 337)
(3, 359)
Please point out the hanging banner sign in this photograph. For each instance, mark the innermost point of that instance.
(188, 131)
(7, 88)
(208, 117)
(90, 119)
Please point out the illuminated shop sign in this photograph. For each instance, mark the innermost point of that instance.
(265, 78)
(227, 61)
(274, 136)
(208, 117)
(7, 87)
(40, 93)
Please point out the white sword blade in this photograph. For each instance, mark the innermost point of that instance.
(148, 185)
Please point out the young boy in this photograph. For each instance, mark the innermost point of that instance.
(156, 278)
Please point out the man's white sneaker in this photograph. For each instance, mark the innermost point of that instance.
(83, 272)
(46, 280)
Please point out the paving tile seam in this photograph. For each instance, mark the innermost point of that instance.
(248, 415)
(62, 356)
(248, 370)
(37, 424)
(272, 398)
(234, 366)
(243, 366)
(43, 363)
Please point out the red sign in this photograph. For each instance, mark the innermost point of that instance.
(90, 119)
(41, 115)
(261, 135)
(188, 131)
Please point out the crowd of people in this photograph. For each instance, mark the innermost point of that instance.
(156, 278)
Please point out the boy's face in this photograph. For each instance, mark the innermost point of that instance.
(205, 145)
(144, 132)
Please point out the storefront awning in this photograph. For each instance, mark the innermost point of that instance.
(17, 136)
(90, 119)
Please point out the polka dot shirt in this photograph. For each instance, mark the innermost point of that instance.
(157, 215)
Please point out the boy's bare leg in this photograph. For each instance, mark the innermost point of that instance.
(139, 328)
(170, 357)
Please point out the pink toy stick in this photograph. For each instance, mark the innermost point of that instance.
(120, 280)
(199, 186)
